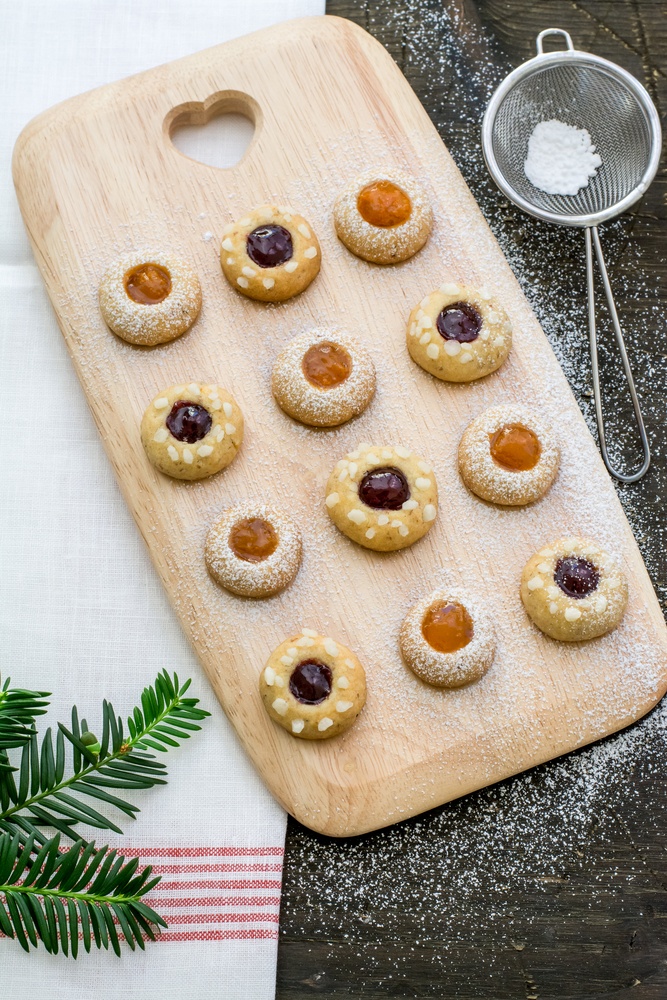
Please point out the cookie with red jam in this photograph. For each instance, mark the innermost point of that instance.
(458, 333)
(313, 686)
(271, 254)
(384, 498)
(192, 431)
(573, 590)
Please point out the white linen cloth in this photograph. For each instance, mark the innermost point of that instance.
(82, 613)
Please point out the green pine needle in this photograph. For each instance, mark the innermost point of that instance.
(40, 794)
(18, 710)
(54, 896)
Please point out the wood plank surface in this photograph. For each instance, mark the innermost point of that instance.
(98, 174)
(554, 883)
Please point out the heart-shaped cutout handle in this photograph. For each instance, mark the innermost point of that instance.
(218, 131)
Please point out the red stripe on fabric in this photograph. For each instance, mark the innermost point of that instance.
(197, 869)
(246, 883)
(231, 934)
(206, 884)
(209, 900)
(220, 901)
(242, 934)
(223, 918)
(202, 852)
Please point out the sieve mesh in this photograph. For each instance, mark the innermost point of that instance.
(588, 96)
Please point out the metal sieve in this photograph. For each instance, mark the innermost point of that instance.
(592, 93)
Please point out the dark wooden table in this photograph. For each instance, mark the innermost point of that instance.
(554, 883)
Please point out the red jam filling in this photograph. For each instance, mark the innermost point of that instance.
(576, 577)
(384, 489)
(311, 682)
(269, 246)
(188, 422)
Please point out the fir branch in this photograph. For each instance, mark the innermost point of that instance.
(52, 896)
(40, 794)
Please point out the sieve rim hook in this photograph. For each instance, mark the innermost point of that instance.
(553, 31)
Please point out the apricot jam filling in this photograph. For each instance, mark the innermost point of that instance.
(447, 627)
(515, 448)
(253, 539)
(326, 365)
(383, 204)
(147, 284)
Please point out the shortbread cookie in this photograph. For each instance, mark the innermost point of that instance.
(507, 455)
(447, 640)
(323, 378)
(192, 431)
(574, 590)
(253, 550)
(271, 254)
(383, 498)
(313, 686)
(150, 297)
(384, 217)
(459, 334)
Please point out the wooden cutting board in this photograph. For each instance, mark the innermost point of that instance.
(98, 176)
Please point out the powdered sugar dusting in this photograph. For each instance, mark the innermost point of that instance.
(561, 158)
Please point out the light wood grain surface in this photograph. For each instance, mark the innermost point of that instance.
(98, 176)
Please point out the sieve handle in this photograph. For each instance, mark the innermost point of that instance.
(593, 238)
(553, 31)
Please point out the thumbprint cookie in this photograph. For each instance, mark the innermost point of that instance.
(323, 378)
(149, 298)
(313, 686)
(447, 640)
(271, 254)
(253, 550)
(573, 590)
(383, 217)
(507, 455)
(382, 498)
(192, 431)
(459, 334)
